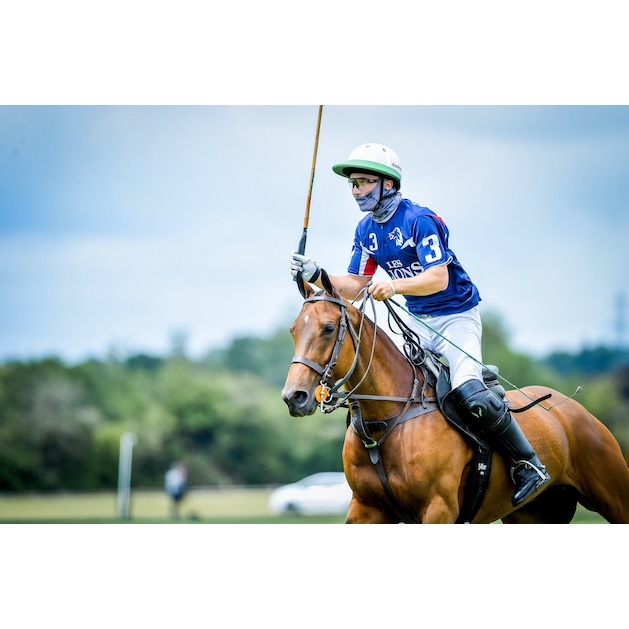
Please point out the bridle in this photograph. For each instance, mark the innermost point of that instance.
(330, 399)
(328, 393)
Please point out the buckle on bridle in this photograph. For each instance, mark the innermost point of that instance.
(323, 393)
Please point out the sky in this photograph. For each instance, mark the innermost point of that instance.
(125, 227)
(153, 190)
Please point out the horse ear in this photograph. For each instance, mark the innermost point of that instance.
(305, 288)
(327, 284)
(302, 286)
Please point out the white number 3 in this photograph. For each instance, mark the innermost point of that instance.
(433, 242)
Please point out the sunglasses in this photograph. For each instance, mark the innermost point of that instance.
(361, 183)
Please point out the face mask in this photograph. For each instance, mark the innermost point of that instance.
(390, 202)
(369, 202)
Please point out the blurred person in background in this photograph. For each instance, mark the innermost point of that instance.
(176, 485)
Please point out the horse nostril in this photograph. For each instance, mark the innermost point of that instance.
(295, 398)
(299, 402)
(299, 398)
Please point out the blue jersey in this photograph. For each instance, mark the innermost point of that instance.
(412, 240)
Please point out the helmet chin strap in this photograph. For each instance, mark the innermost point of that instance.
(375, 198)
(386, 205)
(381, 196)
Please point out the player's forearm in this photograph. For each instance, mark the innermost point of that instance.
(348, 286)
(429, 282)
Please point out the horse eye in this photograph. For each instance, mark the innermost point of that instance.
(328, 329)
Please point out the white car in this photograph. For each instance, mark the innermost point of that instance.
(324, 493)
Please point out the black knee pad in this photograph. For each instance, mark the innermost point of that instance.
(482, 406)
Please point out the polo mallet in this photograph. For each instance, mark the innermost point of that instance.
(302, 243)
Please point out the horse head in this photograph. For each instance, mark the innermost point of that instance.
(318, 334)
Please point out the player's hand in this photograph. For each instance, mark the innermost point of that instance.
(382, 290)
(304, 265)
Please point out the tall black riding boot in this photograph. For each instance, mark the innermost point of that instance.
(487, 411)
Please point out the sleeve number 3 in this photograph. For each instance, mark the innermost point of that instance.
(435, 248)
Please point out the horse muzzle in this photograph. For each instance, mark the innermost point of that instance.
(300, 403)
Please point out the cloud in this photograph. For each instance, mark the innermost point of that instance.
(122, 224)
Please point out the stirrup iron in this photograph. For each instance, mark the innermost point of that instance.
(523, 463)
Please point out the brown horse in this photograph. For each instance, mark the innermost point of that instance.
(426, 462)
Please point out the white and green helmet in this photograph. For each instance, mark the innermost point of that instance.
(372, 158)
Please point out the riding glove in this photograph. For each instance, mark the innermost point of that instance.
(306, 266)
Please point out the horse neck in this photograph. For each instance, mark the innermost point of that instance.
(387, 374)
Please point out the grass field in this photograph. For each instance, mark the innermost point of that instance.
(246, 505)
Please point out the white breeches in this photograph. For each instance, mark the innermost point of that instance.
(465, 331)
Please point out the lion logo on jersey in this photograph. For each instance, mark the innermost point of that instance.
(397, 236)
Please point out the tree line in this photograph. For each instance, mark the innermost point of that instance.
(61, 424)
